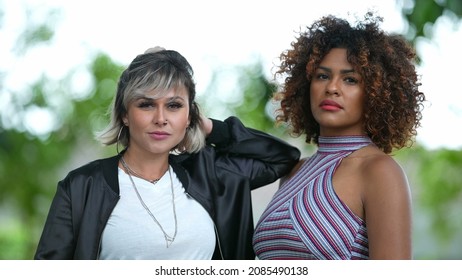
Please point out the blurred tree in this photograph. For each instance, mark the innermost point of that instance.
(436, 183)
(441, 194)
(422, 14)
(439, 177)
(30, 161)
(22, 167)
(249, 97)
(255, 107)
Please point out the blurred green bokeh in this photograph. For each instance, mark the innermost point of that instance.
(31, 164)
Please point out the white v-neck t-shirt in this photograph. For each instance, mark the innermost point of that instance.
(131, 233)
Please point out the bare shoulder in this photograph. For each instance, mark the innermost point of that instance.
(379, 163)
(387, 206)
(378, 166)
(383, 176)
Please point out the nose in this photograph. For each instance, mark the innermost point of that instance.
(160, 117)
(332, 87)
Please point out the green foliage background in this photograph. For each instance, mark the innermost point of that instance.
(31, 165)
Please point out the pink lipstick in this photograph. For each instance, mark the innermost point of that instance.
(330, 105)
(159, 135)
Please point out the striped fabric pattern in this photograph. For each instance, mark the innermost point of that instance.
(306, 219)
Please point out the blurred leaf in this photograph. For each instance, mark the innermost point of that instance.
(424, 14)
(438, 184)
(12, 243)
(256, 93)
(31, 165)
(36, 33)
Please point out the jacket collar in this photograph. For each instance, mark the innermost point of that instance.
(179, 170)
(110, 171)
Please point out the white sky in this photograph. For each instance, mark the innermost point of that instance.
(213, 34)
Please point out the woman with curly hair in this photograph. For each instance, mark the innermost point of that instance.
(353, 91)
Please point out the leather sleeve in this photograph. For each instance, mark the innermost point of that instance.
(79, 211)
(57, 241)
(257, 156)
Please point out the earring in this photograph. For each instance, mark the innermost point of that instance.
(118, 139)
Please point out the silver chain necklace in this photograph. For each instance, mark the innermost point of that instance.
(138, 175)
(168, 239)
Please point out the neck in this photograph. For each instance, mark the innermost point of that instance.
(147, 167)
(328, 131)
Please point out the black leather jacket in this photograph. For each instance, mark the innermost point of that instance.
(220, 177)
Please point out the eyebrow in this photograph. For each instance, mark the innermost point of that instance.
(173, 98)
(346, 71)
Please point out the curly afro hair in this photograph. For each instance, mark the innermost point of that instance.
(393, 102)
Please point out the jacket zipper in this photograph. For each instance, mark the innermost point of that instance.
(218, 240)
(99, 247)
(98, 253)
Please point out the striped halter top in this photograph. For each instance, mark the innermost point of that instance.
(306, 219)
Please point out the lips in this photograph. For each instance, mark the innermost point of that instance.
(159, 135)
(330, 105)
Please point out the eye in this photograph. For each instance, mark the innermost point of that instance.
(145, 104)
(175, 105)
(322, 76)
(351, 80)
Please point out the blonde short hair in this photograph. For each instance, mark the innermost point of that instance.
(156, 70)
